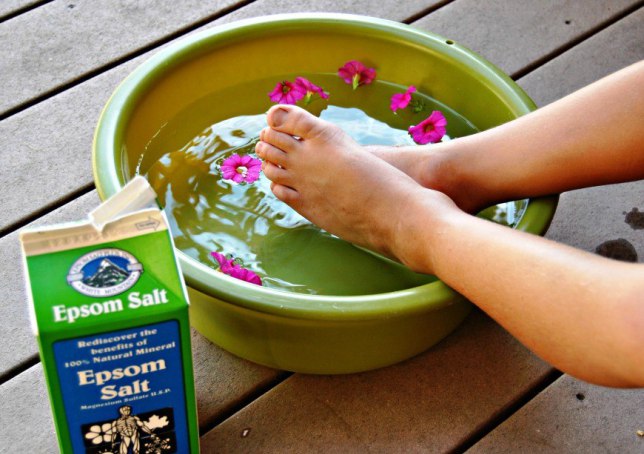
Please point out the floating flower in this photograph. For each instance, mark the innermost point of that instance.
(432, 129)
(355, 73)
(310, 89)
(229, 267)
(245, 274)
(241, 169)
(287, 93)
(402, 100)
(224, 263)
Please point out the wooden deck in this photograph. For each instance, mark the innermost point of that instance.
(479, 390)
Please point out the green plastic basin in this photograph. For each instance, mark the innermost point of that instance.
(297, 332)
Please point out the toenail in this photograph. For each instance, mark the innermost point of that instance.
(279, 117)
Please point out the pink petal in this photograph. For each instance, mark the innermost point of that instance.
(345, 75)
(432, 129)
(255, 164)
(418, 135)
(229, 267)
(294, 95)
(438, 118)
(276, 94)
(309, 86)
(251, 177)
(256, 169)
(350, 69)
(245, 275)
(355, 66)
(287, 93)
(221, 258)
(229, 174)
(304, 83)
(367, 76)
(297, 89)
(399, 101)
(225, 265)
(232, 161)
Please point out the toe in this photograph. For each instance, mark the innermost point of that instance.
(296, 121)
(269, 153)
(287, 195)
(276, 174)
(279, 140)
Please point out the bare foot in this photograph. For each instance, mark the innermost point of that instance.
(331, 180)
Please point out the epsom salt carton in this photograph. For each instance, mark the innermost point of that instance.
(110, 312)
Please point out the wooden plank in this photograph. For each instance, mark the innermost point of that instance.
(396, 11)
(591, 217)
(222, 382)
(57, 133)
(430, 403)
(613, 48)
(26, 424)
(513, 34)
(50, 145)
(11, 7)
(18, 345)
(54, 45)
(571, 417)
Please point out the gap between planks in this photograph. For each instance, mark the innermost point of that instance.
(22, 10)
(123, 59)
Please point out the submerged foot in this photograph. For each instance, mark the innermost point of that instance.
(324, 175)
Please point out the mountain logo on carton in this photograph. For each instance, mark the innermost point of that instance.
(104, 272)
(107, 275)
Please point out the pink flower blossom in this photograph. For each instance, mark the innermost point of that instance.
(229, 267)
(245, 274)
(402, 100)
(432, 129)
(224, 263)
(355, 73)
(287, 93)
(310, 89)
(241, 169)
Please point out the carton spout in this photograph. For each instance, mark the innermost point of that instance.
(135, 196)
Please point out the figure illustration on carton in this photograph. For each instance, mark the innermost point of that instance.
(127, 428)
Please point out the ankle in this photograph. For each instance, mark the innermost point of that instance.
(426, 222)
(450, 171)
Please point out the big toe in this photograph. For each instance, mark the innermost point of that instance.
(296, 121)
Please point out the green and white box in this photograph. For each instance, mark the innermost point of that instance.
(110, 312)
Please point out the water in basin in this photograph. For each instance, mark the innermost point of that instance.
(207, 213)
